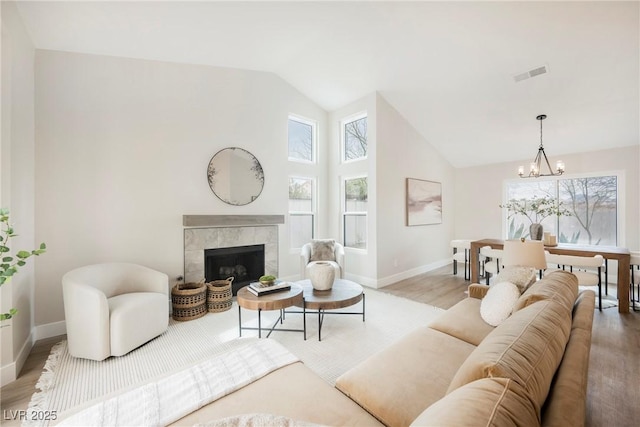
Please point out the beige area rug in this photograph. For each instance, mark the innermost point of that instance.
(68, 383)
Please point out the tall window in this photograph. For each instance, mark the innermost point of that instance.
(354, 138)
(355, 212)
(301, 211)
(302, 139)
(591, 201)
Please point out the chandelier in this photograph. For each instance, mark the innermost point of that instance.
(535, 167)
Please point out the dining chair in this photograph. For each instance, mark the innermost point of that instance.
(462, 254)
(635, 278)
(588, 270)
(492, 261)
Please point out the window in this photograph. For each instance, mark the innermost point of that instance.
(355, 139)
(355, 213)
(592, 203)
(302, 140)
(301, 211)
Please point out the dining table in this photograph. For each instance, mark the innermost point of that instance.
(621, 255)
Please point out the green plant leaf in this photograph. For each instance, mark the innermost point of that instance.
(23, 254)
(9, 265)
(9, 315)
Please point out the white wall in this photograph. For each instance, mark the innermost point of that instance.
(17, 184)
(479, 191)
(122, 148)
(403, 153)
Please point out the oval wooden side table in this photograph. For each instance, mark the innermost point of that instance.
(275, 301)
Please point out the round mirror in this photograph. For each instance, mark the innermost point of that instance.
(235, 176)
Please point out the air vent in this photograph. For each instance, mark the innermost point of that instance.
(531, 73)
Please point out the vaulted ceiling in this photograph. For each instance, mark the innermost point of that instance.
(447, 67)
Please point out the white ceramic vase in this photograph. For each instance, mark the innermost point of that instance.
(322, 275)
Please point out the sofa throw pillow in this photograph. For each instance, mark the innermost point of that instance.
(498, 304)
(323, 250)
(522, 277)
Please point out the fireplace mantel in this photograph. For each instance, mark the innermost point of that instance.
(230, 220)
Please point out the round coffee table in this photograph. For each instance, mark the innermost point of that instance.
(275, 301)
(344, 293)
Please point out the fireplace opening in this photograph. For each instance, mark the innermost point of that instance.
(244, 263)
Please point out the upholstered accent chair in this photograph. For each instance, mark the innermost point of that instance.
(113, 308)
(322, 250)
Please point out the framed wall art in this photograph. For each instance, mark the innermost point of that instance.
(424, 202)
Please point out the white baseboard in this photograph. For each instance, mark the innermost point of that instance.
(24, 353)
(49, 330)
(386, 281)
(9, 372)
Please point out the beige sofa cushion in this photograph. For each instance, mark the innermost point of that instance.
(566, 404)
(527, 347)
(398, 383)
(486, 402)
(293, 391)
(560, 286)
(463, 321)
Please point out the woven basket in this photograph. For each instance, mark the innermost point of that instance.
(219, 295)
(189, 301)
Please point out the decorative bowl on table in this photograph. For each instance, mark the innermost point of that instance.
(267, 280)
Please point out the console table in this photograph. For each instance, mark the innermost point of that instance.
(621, 255)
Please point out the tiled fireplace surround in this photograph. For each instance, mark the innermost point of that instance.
(222, 231)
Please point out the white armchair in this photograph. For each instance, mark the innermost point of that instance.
(310, 254)
(113, 308)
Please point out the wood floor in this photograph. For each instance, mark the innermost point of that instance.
(614, 370)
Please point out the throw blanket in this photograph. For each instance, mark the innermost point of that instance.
(168, 399)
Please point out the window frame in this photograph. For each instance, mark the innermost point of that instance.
(620, 200)
(314, 139)
(344, 213)
(314, 208)
(343, 142)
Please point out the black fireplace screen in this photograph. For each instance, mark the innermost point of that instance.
(244, 263)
